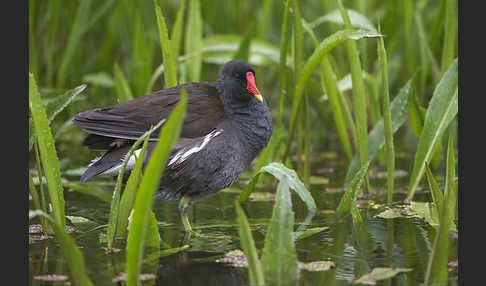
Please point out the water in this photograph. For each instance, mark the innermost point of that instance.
(397, 243)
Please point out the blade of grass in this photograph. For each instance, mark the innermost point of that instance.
(123, 91)
(129, 194)
(387, 121)
(47, 150)
(170, 68)
(346, 204)
(450, 183)
(359, 96)
(450, 40)
(283, 61)
(279, 258)
(71, 252)
(436, 193)
(442, 109)
(324, 47)
(281, 172)
(50, 44)
(398, 111)
(35, 199)
(437, 272)
(141, 57)
(76, 33)
(193, 41)
(176, 35)
(357, 20)
(243, 52)
(54, 107)
(329, 84)
(148, 185)
(115, 202)
(247, 243)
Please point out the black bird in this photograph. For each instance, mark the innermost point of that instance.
(227, 124)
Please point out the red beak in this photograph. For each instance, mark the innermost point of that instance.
(251, 87)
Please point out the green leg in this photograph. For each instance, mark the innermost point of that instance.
(183, 206)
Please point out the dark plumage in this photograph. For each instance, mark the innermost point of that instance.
(227, 124)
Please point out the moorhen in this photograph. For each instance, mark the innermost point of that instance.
(227, 124)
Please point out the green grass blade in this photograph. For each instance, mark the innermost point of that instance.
(243, 52)
(193, 42)
(47, 150)
(436, 193)
(281, 172)
(442, 109)
(324, 47)
(71, 252)
(170, 68)
(37, 204)
(123, 91)
(357, 20)
(284, 43)
(142, 55)
(398, 111)
(265, 18)
(437, 269)
(176, 36)
(115, 202)
(76, 33)
(279, 258)
(450, 183)
(346, 204)
(329, 84)
(53, 108)
(248, 244)
(387, 121)
(359, 92)
(448, 51)
(148, 186)
(152, 239)
(129, 194)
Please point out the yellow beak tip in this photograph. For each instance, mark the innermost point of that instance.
(259, 97)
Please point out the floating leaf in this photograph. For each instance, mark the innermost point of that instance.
(317, 265)
(379, 273)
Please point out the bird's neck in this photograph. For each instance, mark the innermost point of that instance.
(254, 125)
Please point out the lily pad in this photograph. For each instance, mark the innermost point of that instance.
(397, 212)
(323, 265)
(379, 273)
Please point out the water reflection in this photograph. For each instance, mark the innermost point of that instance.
(197, 268)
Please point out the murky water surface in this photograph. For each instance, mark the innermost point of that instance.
(397, 243)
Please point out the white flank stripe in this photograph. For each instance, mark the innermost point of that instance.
(182, 155)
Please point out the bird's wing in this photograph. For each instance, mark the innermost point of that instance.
(131, 119)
